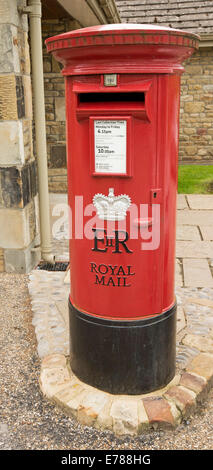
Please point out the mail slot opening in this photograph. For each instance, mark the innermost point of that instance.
(130, 97)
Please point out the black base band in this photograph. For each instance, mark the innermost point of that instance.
(123, 357)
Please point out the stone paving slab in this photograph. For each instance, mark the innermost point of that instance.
(197, 273)
(200, 201)
(194, 217)
(206, 232)
(178, 273)
(188, 233)
(194, 249)
(182, 202)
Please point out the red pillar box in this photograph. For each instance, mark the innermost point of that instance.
(122, 112)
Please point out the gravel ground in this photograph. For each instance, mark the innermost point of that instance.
(29, 421)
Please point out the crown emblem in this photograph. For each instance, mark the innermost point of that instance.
(111, 207)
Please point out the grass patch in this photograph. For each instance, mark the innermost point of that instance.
(195, 179)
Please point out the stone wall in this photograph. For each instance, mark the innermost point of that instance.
(55, 107)
(196, 112)
(18, 182)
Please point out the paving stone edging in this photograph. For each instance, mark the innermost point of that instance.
(127, 414)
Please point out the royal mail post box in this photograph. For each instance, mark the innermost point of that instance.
(122, 112)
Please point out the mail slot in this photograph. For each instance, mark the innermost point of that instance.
(134, 97)
(122, 112)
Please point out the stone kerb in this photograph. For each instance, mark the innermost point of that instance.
(125, 414)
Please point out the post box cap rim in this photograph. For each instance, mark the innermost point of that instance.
(124, 28)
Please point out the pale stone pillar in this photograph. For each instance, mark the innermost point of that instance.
(18, 185)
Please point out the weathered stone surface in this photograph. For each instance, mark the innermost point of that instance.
(67, 277)
(21, 261)
(202, 343)
(27, 96)
(11, 187)
(57, 180)
(9, 14)
(12, 145)
(181, 201)
(181, 321)
(8, 97)
(27, 139)
(20, 97)
(143, 420)
(92, 405)
(124, 413)
(158, 411)
(202, 365)
(194, 217)
(104, 419)
(17, 186)
(207, 232)
(199, 301)
(187, 232)
(178, 274)
(194, 107)
(62, 307)
(60, 108)
(55, 65)
(24, 53)
(58, 156)
(9, 57)
(194, 249)
(70, 396)
(72, 400)
(53, 361)
(19, 231)
(193, 382)
(2, 265)
(54, 380)
(184, 399)
(200, 201)
(191, 150)
(33, 179)
(197, 273)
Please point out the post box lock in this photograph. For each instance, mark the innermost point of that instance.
(156, 196)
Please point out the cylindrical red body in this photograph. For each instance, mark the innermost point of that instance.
(122, 112)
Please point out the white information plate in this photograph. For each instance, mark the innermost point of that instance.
(110, 146)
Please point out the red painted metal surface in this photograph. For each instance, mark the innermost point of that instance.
(117, 274)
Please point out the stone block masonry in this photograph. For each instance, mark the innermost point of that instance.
(18, 174)
(55, 107)
(196, 110)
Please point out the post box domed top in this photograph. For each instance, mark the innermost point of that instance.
(137, 47)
